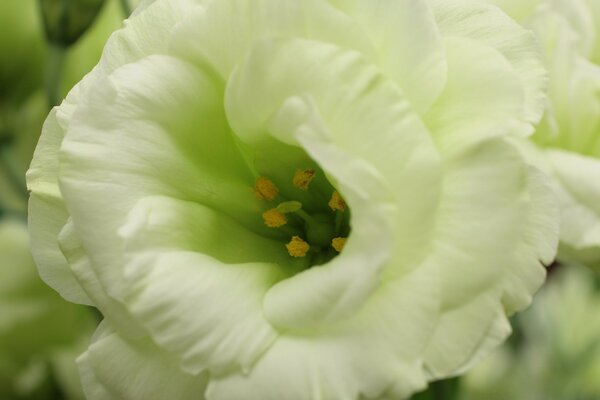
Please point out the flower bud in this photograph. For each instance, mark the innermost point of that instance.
(66, 20)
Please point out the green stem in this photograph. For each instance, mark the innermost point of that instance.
(54, 73)
(126, 8)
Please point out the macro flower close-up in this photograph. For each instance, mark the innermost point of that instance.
(281, 199)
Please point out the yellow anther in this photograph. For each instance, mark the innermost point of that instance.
(297, 247)
(273, 218)
(336, 202)
(303, 178)
(265, 189)
(338, 243)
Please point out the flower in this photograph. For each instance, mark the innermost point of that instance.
(558, 355)
(38, 329)
(155, 182)
(567, 142)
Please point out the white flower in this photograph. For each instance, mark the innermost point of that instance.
(187, 187)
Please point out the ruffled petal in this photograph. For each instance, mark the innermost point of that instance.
(375, 353)
(196, 280)
(489, 26)
(164, 223)
(173, 120)
(574, 112)
(48, 214)
(500, 253)
(47, 211)
(147, 31)
(81, 267)
(216, 29)
(206, 313)
(113, 368)
(482, 99)
(418, 66)
(578, 190)
(464, 335)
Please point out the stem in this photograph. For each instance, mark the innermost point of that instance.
(126, 8)
(54, 72)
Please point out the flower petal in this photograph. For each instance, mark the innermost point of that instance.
(147, 31)
(418, 66)
(48, 214)
(498, 252)
(221, 271)
(216, 29)
(206, 313)
(172, 117)
(577, 179)
(574, 112)
(489, 26)
(482, 99)
(81, 267)
(117, 369)
(375, 352)
(465, 334)
(163, 223)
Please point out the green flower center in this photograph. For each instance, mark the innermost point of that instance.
(320, 232)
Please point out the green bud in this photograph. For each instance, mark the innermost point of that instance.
(66, 20)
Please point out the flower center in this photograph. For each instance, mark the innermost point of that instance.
(319, 233)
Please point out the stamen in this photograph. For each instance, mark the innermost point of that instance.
(337, 202)
(265, 189)
(338, 243)
(303, 177)
(297, 247)
(273, 218)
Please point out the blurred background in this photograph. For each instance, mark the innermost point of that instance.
(46, 46)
